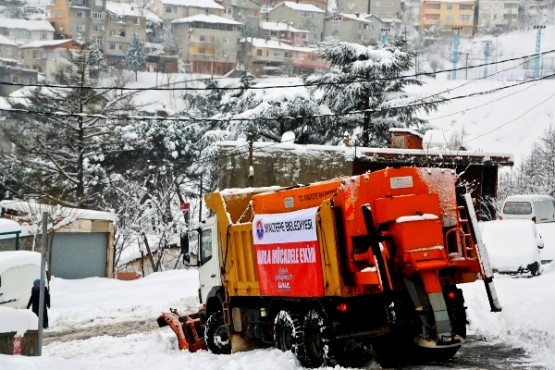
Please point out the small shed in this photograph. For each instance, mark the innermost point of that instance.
(82, 241)
(9, 235)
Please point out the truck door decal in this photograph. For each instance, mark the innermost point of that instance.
(287, 254)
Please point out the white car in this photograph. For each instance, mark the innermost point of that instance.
(513, 246)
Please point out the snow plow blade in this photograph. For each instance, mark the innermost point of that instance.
(186, 327)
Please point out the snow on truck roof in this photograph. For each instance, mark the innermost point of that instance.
(11, 259)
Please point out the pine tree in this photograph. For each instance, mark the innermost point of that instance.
(136, 58)
(365, 88)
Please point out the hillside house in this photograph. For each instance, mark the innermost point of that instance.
(285, 32)
(244, 11)
(9, 49)
(450, 15)
(47, 57)
(497, 14)
(13, 72)
(124, 22)
(170, 10)
(23, 31)
(208, 43)
(354, 28)
(302, 16)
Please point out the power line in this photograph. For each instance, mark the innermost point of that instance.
(255, 119)
(225, 88)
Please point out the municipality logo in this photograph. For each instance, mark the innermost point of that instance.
(259, 229)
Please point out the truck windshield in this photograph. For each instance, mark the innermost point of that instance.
(205, 246)
(517, 208)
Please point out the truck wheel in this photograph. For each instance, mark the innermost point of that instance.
(216, 334)
(288, 334)
(536, 269)
(318, 340)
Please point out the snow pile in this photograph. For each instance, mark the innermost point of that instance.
(17, 320)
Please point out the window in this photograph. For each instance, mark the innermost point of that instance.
(36, 54)
(24, 34)
(80, 28)
(226, 40)
(202, 38)
(112, 46)
(259, 53)
(224, 53)
(245, 2)
(137, 21)
(229, 10)
(277, 54)
(80, 14)
(205, 246)
(96, 15)
(466, 7)
(43, 36)
(202, 51)
(168, 10)
(99, 3)
(121, 47)
(449, 6)
(365, 38)
(465, 18)
(136, 35)
(15, 79)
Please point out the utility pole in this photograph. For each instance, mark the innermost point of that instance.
(251, 167)
(538, 47)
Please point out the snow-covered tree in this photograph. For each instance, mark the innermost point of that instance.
(62, 140)
(536, 173)
(366, 89)
(136, 57)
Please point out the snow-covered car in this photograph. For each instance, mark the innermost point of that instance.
(513, 246)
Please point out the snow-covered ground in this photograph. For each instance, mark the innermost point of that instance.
(80, 305)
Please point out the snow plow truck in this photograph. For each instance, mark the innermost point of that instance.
(338, 269)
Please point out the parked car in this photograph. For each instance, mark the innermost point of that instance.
(513, 246)
(535, 207)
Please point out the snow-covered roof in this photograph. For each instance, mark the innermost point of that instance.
(354, 17)
(13, 24)
(32, 206)
(280, 26)
(11, 259)
(44, 43)
(123, 9)
(6, 41)
(205, 4)
(207, 18)
(8, 226)
(273, 44)
(300, 7)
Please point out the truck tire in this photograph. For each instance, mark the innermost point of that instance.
(318, 340)
(288, 334)
(216, 334)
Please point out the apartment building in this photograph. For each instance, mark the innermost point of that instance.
(123, 23)
(302, 16)
(74, 18)
(497, 14)
(353, 28)
(284, 32)
(47, 57)
(23, 31)
(13, 72)
(170, 10)
(244, 11)
(9, 49)
(208, 43)
(265, 54)
(448, 15)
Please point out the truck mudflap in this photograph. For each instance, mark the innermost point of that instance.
(185, 327)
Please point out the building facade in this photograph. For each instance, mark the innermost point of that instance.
(353, 28)
(497, 15)
(208, 43)
(23, 31)
(450, 16)
(302, 16)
